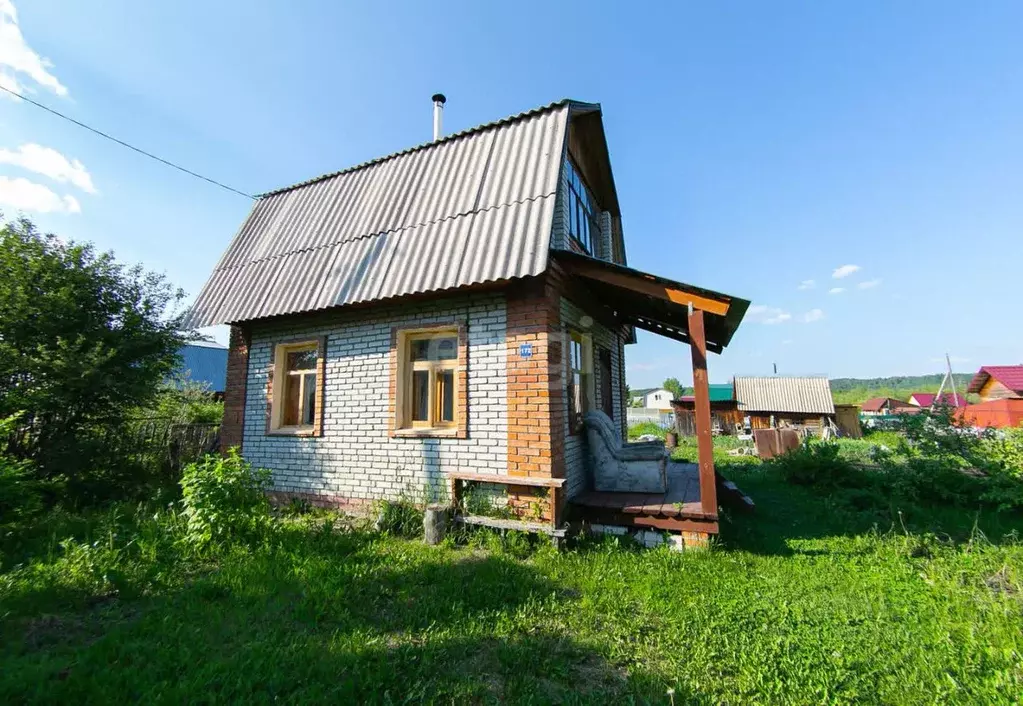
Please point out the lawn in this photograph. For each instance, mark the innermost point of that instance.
(807, 601)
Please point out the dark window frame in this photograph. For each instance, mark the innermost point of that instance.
(583, 210)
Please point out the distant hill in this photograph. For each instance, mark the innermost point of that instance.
(857, 390)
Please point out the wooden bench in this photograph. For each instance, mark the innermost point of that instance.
(457, 480)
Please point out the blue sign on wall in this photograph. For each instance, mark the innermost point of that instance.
(526, 350)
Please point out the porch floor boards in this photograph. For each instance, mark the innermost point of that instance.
(681, 500)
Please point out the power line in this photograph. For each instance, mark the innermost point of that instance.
(125, 144)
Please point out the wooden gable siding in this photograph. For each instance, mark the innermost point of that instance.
(994, 390)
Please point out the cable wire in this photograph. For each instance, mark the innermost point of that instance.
(125, 144)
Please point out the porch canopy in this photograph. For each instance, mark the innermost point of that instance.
(701, 318)
(658, 304)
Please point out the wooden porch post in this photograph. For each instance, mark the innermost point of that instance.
(701, 391)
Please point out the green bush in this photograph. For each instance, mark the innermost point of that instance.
(19, 492)
(817, 463)
(400, 518)
(224, 499)
(84, 340)
(638, 430)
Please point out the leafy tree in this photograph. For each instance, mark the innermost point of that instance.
(673, 386)
(184, 401)
(83, 340)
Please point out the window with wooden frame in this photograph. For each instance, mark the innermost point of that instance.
(580, 378)
(295, 393)
(428, 380)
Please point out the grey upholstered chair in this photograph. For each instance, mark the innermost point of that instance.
(617, 467)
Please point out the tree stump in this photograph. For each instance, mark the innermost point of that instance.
(435, 523)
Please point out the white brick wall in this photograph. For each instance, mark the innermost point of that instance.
(573, 316)
(356, 457)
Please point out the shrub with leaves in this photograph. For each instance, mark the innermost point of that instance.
(816, 462)
(400, 518)
(83, 340)
(224, 498)
(19, 492)
(184, 401)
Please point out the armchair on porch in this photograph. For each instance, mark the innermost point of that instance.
(628, 468)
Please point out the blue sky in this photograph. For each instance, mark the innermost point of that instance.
(756, 146)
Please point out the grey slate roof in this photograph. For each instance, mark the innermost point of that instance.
(798, 395)
(473, 207)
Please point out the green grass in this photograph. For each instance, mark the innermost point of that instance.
(808, 600)
(653, 428)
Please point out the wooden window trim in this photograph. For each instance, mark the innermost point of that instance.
(275, 382)
(401, 370)
(575, 424)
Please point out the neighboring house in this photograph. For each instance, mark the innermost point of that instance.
(926, 400)
(652, 398)
(1000, 388)
(724, 414)
(998, 382)
(204, 362)
(784, 401)
(455, 307)
(882, 406)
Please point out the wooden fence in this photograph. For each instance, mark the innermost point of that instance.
(159, 444)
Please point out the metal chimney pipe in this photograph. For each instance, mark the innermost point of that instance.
(438, 114)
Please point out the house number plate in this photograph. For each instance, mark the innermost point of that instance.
(526, 350)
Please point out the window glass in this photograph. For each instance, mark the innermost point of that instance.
(309, 398)
(420, 396)
(292, 400)
(434, 349)
(578, 379)
(446, 393)
(583, 223)
(302, 360)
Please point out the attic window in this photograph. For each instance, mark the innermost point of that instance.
(583, 222)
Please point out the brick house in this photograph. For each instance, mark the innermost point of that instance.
(453, 308)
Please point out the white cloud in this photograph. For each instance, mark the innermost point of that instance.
(869, 284)
(787, 342)
(845, 271)
(24, 195)
(836, 290)
(813, 315)
(761, 314)
(50, 163)
(17, 57)
(807, 284)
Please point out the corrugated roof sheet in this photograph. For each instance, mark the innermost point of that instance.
(926, 399)
(1009, 375)
(473, 207)
(797, 395)
(204, 363)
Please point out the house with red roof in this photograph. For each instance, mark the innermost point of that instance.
(876, 406)
(1000, 388)
(927, 400)
(998, 382)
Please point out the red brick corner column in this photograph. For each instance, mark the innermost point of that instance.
(232, 428)
(536, 414)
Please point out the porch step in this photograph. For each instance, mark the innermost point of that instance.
(732, 492)
(502, 524)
